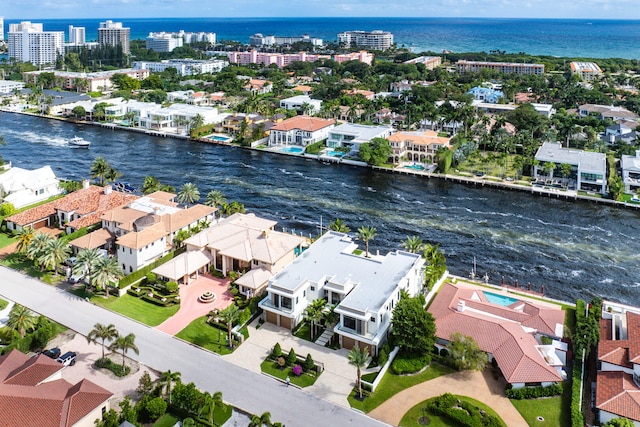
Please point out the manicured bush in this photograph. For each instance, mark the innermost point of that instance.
(297, 370)
(383, 357)
(407, 363)
(292, 358)
(533, 392)
(281, 362)
(577, 418)
(461, 412)
(172, 287)
(139, 274)
(277, 350)
(151, 278)
(116, 368)
(245, 315)
(156, 407)
(309, 364)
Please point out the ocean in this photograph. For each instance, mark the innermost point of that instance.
(556, 37)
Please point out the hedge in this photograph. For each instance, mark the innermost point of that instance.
(534, 392)
(141, 273)
(116, 368)
(79, 233)
(156, 298)
(577, 418)
(409, 363)
(461, 412)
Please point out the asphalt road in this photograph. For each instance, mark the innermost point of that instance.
(244, 389)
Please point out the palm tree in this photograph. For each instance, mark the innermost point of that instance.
(196, 122)
(358, 358)
(166, 381)
(124, 344)
(106, 271)
(313, 313)
(210, 404)
(24, 238)
(86, 260)
(413, 244)
(188, 194)
(262, 420)
(340, 226)
(102, 332)
(99, 169)
(366, 234)
(55, 252)
(215, 198)
(150, 184)
(21, 319)
(230, 315)
(37, 245)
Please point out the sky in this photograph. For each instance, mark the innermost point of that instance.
(587, 9)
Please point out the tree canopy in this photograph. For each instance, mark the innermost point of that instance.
(414, 328)
(376, 152)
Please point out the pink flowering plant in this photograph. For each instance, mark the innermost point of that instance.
(297, 370)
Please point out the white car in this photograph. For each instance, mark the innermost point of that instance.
(76, 278)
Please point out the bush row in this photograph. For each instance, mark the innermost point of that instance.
(462, 412)
(44, 331)
(116, 368)
(139, 274)
(152, 295)
(577, 418)
(534, 392)
(292, 359)
(408, 363)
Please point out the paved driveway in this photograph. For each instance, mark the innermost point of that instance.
(191, 308)
(247, 390)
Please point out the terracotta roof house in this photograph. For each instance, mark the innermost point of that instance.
(144, 229)
(300, 130)
(241, 242)
(75, 210)
(33, 393)
(508, 329)
(618, 378)
(420, 146)
(259, 87)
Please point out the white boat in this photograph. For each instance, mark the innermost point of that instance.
(76, 141)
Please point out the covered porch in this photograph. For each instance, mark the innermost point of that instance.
(185, 267)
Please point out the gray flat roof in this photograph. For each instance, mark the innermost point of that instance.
(361, 132)
(331, 258)
(553, 152)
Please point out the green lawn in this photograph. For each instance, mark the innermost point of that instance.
(18, 262)
(167, 420)
(555, 411)
(6, 240)
(272, 368)
(392, 384)
(200, 333)
(411, 418)
(3, 304)
(304, 332)
(137, 309)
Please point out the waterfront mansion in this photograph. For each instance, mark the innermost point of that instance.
(364, 289)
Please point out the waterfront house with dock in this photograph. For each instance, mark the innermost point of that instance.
(350, 135)
(300, 130)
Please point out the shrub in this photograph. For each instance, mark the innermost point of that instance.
(245, 315)
(533, 392)
(461, 412)
(309, 364)
(116, 368)
(297, 370)
(277, 350)
(383, 357)
(171, 287)
(151, 278)
(156, 407)
(7, 209)
(577, 418)
(292, 357)
(407, 363)
(281, 362)
(545, 340)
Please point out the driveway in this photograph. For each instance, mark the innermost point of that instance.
(191, 307)
(477, 385)
(243, 388)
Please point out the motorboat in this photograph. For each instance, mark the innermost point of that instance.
(76, 141)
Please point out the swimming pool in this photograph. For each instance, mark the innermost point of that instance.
(499, 299)
(291, 150)
(415, 167)
(336, 153)
(220, 138)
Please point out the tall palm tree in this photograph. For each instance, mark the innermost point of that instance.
(166, 380)
(102, 332)
(367, 234)
(150, 184)
(230, 315)
(340, 226)
(106, 271)
(215, 199)
(55, 252)
(188, 194)
(358, 358)
(99, 169)
(413, 244)
(37, 245)
(86, 261)
(21, 319)
(124, 344)
(210, 404)
(24, 238)
(196, 122)
(262, 420)
(313, 314)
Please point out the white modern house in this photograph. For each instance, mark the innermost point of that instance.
(22, 187)
(301, 103)
(589, 170)
(364, 289)
(351, 135)
(630, 166)
(300, 130)
(184, 67)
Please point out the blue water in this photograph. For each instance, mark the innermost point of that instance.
(220, 138)
(499, 299)
(558, 37)
(291, 150)
(336, 154)
(415, 167)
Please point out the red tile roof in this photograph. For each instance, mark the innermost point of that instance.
(617, 393)
(306, 123)
(499, 330)
(30, 397)
(620, 352)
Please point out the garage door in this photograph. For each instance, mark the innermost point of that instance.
(272, 318)
(40, 224)
(348, 343)
(285, 322)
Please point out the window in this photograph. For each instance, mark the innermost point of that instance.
(296, 300)
(373, 319)
(313, 288)
(130, 251)
(304, 294)
(124, 267)
(130, 269)
(353, 324)
(285, 302)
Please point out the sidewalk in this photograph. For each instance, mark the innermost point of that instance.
(477, 385)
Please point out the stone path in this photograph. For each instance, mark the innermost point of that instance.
(477, 385)
(191, 308)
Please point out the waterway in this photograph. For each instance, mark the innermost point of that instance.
(574, 249)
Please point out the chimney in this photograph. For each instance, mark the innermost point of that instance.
(85, 184)
(107, 189)
(461, 306)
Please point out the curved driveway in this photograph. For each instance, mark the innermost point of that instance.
(249, 391)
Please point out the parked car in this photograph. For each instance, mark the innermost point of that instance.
(53, 353)
(76, 278)
(67, 359)
(70, 262)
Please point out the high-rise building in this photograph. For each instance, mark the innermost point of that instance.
(1, 28)
(29, 43)
(77, 35)
(113, 34)
(378, 40)
(163, 42)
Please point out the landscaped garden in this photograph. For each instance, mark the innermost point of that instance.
(17, 261)
(302, 372)
(205, 335)
(137, 308)
(448, 410)
(555, 411)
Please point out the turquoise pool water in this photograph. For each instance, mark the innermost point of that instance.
(220, 138)
(415, 167)
(499, 299)
(291, 150)
(336, 153)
